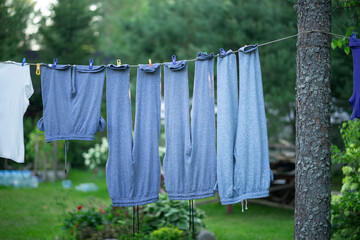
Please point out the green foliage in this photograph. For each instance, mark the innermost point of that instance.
(170, 213)
(14, 17)
(166, 233)
(70, 32)
(96, 223)
(345, 207)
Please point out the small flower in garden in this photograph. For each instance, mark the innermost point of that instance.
(79, 207)
(101, 210)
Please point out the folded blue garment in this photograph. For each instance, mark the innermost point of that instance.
(71, 106)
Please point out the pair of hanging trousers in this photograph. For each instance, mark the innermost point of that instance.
(190, 159)
(133, 168)
(242, 144)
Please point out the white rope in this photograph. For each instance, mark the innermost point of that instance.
(259, 45)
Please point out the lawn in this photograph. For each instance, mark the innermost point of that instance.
(37, 213)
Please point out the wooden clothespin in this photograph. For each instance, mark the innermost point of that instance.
(37, 69)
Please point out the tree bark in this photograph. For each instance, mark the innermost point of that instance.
(313, 156)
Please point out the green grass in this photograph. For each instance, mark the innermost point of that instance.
(258, 222)
(38, 213)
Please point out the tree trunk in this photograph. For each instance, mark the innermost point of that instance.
(313, 157)
(55, 160)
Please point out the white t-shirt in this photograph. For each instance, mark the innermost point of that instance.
(15, 90)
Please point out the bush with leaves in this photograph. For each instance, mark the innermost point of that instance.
(167, 233)
(165, 213)
(345, 207)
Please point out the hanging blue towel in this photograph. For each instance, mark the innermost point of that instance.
(227, 115)
(119, 167)
(71, 108)
(252, 174)
(145, 153)
(190, 160)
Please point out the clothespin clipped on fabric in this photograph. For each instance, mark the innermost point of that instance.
(149, 62)
(23, 62)
(37, 69)
(173, 59)
(222, 51)
(353, 34)
(91, 63)
(55, 62)
(245, 45)
(118, 63)
(205, 52)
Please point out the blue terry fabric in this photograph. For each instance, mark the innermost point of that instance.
(252, 174)
(145, 153)
(71, 108)
(227, 115)
(177, 162)
(190, 161)
(119, 167)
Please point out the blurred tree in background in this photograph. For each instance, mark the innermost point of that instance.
(70, 33)
(14, 17)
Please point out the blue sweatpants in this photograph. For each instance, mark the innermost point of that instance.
(227, 115)
(252, 174)
(190, 160)
(145, 153)
(119, 167)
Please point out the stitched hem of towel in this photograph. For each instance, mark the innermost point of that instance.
(71, 137)
(11, 158)
(251, 195)
(189, 196)
(138, 202)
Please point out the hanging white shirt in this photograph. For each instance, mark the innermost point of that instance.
(15, 90)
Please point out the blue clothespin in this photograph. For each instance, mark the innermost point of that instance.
(222, 51)
(173, 59)
(23, 62)
(55, 62)
(353, 34)
(91, 62)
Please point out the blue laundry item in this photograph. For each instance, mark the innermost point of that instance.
(354, 101)
(71, 107)
(227, 115)
(190, 159)
(145, 155)
(252, 174)
(119, 167)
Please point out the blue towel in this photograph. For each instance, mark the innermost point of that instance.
(227, 115)
(252, 174)
(145, 153)
(119, 167)
(190, 160)
(71, 108)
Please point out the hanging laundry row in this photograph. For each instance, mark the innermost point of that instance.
(193, 169)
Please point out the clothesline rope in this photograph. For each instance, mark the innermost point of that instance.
(259, 45)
